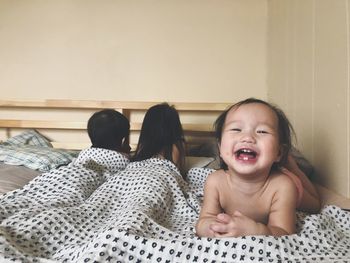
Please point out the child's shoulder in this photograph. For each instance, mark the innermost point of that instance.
(281, 181)
(215, 176)
(283, 187)
(217, 173)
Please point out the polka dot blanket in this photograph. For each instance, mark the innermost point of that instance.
(97, 212)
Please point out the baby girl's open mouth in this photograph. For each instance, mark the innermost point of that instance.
(246, 154)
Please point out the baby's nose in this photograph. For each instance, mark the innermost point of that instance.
(248, 137)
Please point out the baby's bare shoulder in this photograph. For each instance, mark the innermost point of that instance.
(281, 181)
(215, 177)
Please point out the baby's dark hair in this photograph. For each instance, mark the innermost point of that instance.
(161, 130)
(107, 129)
(285, 129)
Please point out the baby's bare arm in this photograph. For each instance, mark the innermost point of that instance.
(281, 220)
(210, 208)
(282, 212)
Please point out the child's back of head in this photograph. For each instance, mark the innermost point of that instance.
(161, 131)
(109, 129)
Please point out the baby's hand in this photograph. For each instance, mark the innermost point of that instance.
(233, 226)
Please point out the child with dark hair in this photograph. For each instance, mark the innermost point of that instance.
(109, 134)
(109, 129)
(161, 136)
(284, 130)
(253, 194)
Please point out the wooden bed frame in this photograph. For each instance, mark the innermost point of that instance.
(28, 115)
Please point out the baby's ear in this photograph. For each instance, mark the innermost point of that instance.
(218, 145)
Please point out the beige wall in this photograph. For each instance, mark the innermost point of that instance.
(161, 50)
(308, 75)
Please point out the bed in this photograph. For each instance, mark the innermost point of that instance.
(78, 212)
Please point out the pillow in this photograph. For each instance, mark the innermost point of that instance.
(36, 157)
(33, 150)
(30, 137)
(194, 161)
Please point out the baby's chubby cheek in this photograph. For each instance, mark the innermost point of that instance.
(226, 154)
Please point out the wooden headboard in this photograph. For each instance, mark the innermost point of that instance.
(59, 120)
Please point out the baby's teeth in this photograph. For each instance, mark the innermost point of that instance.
(245, 158)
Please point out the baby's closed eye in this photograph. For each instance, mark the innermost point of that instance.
(262, 131)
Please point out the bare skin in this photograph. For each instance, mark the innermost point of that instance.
(247, 199)
(310, 201)
(258, 207)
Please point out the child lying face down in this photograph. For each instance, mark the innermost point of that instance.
(252, 195)
(108, 131)
(161, 136)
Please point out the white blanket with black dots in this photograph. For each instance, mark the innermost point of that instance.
(145, 213)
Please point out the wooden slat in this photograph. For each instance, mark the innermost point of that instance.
(78, 146)
(134, 126)
(57, 125)
(75, 125)
(205, 107)
(197, 127)
(76, 104)
(32, 124)
(70, 145)
(122, 105)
